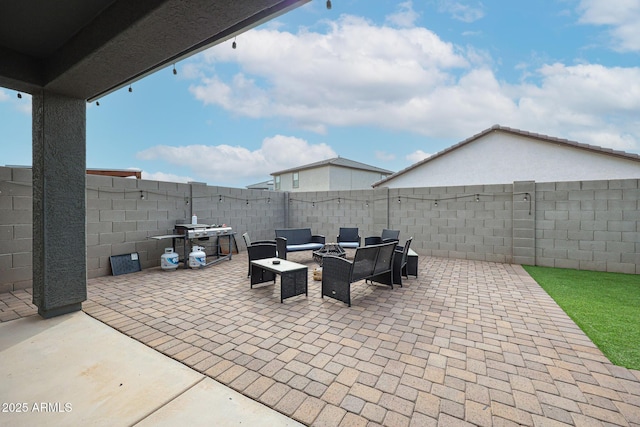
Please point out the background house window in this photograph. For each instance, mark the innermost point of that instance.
(277, 182)
(296, 180)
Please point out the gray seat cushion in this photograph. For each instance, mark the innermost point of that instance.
(304, 247)
(352, 245)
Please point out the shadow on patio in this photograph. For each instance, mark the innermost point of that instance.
(466, 341)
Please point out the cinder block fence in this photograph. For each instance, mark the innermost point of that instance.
(591, 225)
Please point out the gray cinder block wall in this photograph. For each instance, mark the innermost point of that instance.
(593, 225)
(589, 225)
(123, 213)
(326, 211)
(16, 229)
(471, 222)
(522, 223)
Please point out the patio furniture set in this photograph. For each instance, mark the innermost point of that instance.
(380, 260)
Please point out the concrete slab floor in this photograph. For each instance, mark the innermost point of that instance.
(75, 370)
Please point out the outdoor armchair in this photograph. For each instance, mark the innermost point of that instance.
(387, 236)
(248, 242)
(261, 251)
(349, 237)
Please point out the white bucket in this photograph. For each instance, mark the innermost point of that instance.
(169, 260)
(197, 257)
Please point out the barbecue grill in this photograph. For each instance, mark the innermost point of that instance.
(200, 231)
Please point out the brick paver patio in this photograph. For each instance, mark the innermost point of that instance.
(467, 343)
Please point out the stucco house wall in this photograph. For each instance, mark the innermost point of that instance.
(330, 175)
(351, 179)
(316, 179)
(308, 180)
(502, 155)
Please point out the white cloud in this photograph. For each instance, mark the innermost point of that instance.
(405, 17)
(462, 12)
(384, 156)
(242, 95)
(622, 16)
(417, 155)
(408, 79)
(608, 137)
(229, 164)
(166, 177)
(190, 71)
(22, 104)
(594, 89)
(592, 104)
(354, 74)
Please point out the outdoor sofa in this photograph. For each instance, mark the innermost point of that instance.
(297, 239)
(374, 263)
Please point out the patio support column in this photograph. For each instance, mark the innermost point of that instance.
(59, 207)
(524, 222)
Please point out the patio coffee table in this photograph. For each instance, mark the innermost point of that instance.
(328, 249)
(293, 276)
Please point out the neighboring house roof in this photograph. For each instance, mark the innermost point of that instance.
(518, 132)
(122, 173)
(336, 161)
(264, 185)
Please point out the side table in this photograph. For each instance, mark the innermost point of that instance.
(293, 276)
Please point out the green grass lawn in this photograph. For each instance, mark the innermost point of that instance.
(606, 306)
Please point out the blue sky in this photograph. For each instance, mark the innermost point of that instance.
(385, 83)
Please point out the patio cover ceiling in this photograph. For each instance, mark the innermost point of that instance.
(86, 49)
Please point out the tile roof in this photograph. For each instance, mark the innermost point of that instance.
(518, 132)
